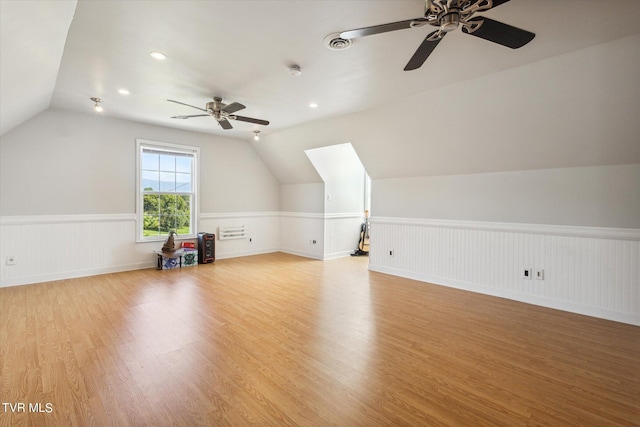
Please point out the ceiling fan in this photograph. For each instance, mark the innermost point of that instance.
(221, 112)
(446, 16)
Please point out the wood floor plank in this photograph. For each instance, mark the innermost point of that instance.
(279, 340)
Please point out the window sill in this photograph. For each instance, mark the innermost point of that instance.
(164, 238)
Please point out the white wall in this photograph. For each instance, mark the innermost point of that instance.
(302, 219)
(67, 195)
(70, 163)
(344, 197)
(343, 175)
(328, 213)
(598, 196)
(307, 198)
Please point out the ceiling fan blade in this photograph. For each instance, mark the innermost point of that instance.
(498, 32)
(250, 120)
(192, 106)
(497, 3)
(377, 29)
(225, 124)
(233, 107)
(422, 53)
(188, 117)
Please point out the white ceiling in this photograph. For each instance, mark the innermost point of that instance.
(241, 50)
(32, 38)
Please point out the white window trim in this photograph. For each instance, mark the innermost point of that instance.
(195, 212)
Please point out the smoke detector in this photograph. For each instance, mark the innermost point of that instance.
(335, 42)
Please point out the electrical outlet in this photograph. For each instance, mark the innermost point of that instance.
(391, 252)
(526, 273)
(11, 260)
(313, 242)
(539, 274)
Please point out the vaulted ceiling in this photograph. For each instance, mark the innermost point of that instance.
(60, 53)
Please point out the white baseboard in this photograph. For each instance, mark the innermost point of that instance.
(336, 255)
(26, 280)
(304, 254)
(237, 254)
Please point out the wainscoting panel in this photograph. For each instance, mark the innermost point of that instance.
(335, 235)
(299, 230)
(589, 271)
(342, 234)
(55, 247)
(65, 246)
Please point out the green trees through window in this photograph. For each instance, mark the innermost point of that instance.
(165, 212)
(166, 189)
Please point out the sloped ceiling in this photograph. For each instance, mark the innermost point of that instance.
(241, 50)
(32, 40)
(572, 110)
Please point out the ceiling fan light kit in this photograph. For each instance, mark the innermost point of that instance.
(96, 106)
(447, 16)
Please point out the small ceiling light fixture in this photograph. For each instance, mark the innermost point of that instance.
(97, 105)
(158, 55)
(257, 135)
(123, 92)
(295, 70)
(313, 105)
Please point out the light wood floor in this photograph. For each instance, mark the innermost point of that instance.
(278, 340)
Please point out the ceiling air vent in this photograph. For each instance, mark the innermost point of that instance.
(335, 42)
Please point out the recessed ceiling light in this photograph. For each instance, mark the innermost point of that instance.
(158, 55)
(313, 105)
(123, 92)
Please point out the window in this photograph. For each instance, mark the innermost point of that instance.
(166, 190)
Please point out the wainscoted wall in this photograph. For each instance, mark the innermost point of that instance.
(588, 270)
(342, 233)
(336, 235)
(298, 230)
(263, 232)
(53, 247)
